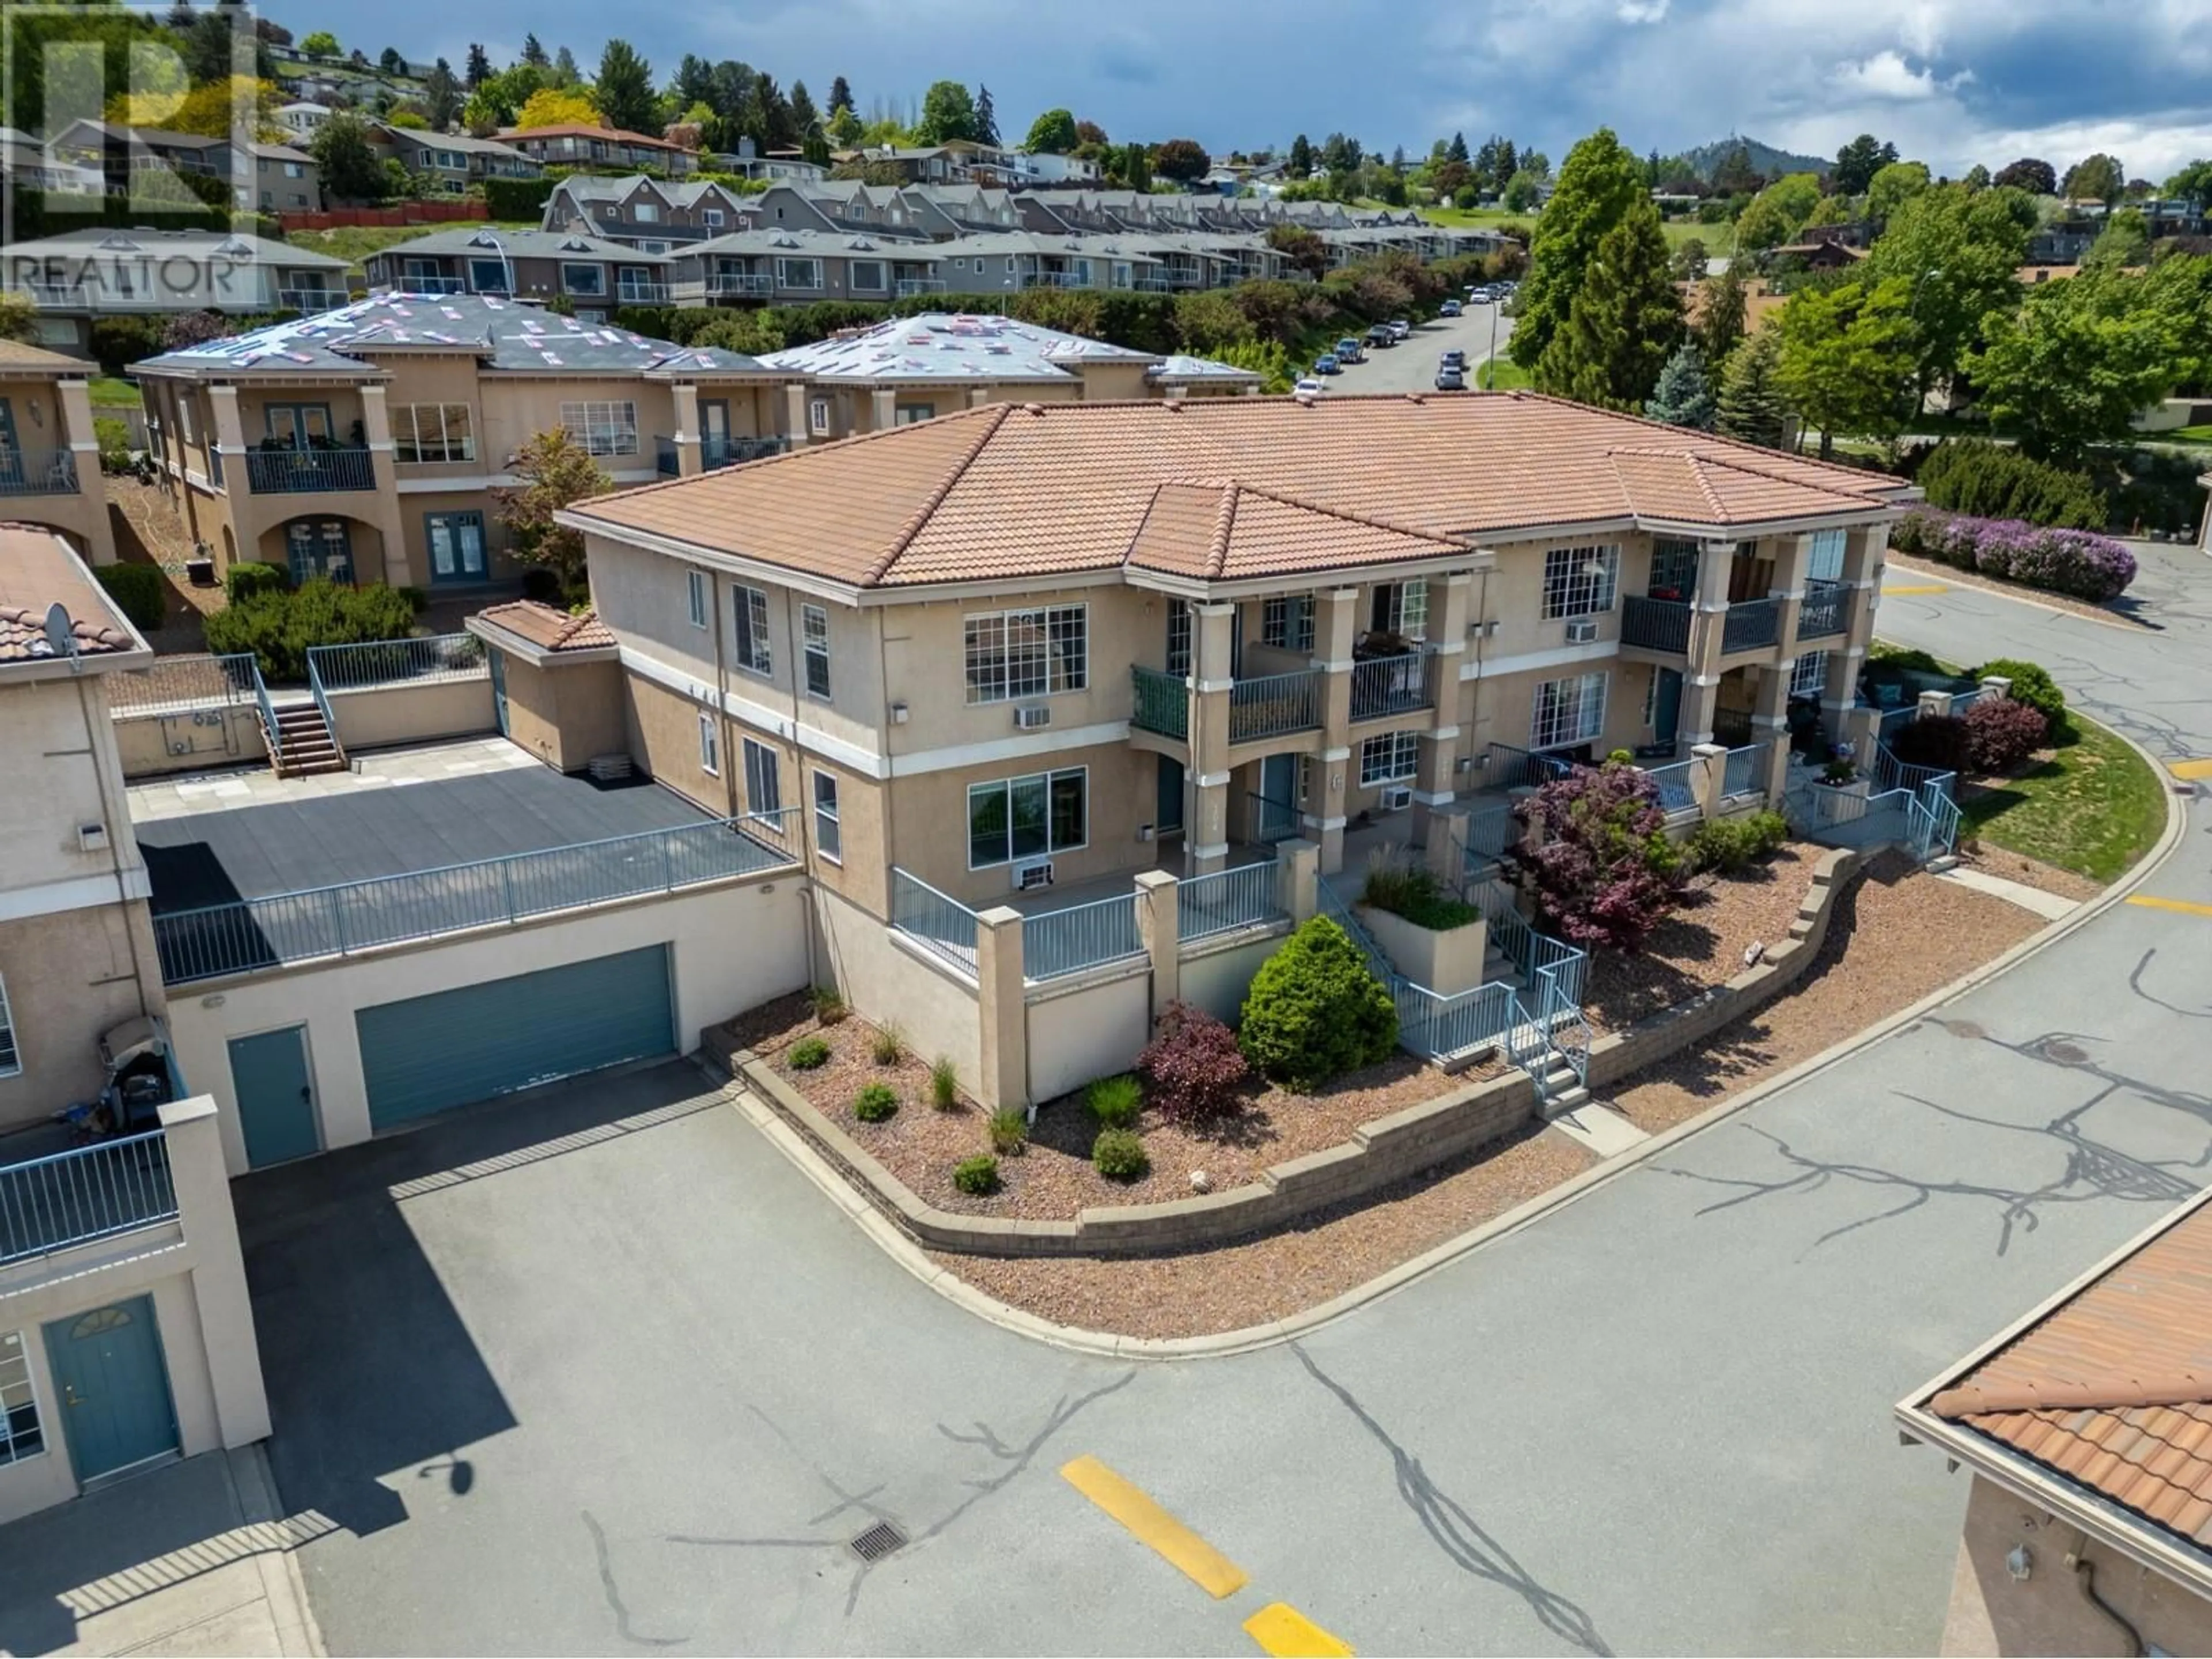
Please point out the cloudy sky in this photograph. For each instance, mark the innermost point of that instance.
(1952, 81)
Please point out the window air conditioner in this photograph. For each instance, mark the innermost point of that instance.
(1582, 631)
(1030, 876)
(1396, 796)
(1030, 718)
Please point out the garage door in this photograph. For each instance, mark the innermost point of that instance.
(429, 1053)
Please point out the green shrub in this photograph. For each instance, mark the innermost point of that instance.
(138, 590)
(1413, 891)
(1193, 1069)
(1315, 1009)
(875, 1103)
(1009, 1131)
(944, 1084)
(888, 1044)
(113, 434)
(828, 1005)
(1119, 1154)
(2001, 734)
(279, 627)
(977, 1177)
(1727, 845)
(1115, 1100)
(518, 198)
(244, 579)
(417, 599)
(1995, 481)
(2030, 685)
(1903, 660)
(1936, 740)
(808, 1053)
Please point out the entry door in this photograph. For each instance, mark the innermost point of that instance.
(298, 424)
(114, 1389)
(457, 546)
(1667, 706)
(11, 458)
(1278, 779)
(319, 547)
(498, 661)
(1167, 814)
(276, 1095)
(714, 422)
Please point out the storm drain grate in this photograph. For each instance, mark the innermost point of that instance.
(878, 1541)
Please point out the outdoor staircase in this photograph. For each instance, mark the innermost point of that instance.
(303, 744)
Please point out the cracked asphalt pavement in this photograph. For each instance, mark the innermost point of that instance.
(608, 1375)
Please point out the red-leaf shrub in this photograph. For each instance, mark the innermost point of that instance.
(1605, 873)
(2000, 733)
(1192, 1068)
(1936, 740)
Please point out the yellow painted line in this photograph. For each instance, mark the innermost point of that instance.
(1283, 1631)
(1154, 1528)
(2181, 905)
(2191, 770)
(1932, 587)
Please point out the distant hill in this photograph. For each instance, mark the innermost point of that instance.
(1707, 158)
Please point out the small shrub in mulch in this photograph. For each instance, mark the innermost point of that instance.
(943, 1085)
(807, 1054)
(875, 1103)
(1316, 1009)
(1115, 1102)
(1119, 1154)
(977, 1177)
(1193, 1066)
(1009, 1131)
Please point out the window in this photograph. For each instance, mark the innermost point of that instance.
(1568, 712)
(818, 417)
(432, 432)
(748, 617)
(294, 170)
(799, 273)
(1402, 608)
(907, 414)
(1028, 654)
(1809, 674)
(814, 631)
(764, 789)
(1674, 569)
(1179, 636)
(586, 279)
(1390, 758)
(1287, 621)
(20, 1435)
(457, 545)
(695, 581)
(710, 744)
(1027, 818)
(1826, 563)
(1579, 581)
(11, 1059)
(867, 276)
(603, 428)
(712, 216)
(829, 834)
(489, 275)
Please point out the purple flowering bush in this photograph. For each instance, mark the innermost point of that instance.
(2074, 562)
(1605, 873)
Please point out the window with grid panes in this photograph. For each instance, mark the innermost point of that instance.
(748, 619)
(21, 1433)
(602, 427)
(1027, 818)
(1825, 563)
(710, 745)
(1390, 758)
(814, 630)
(1178, 636)
(1568, 712)
(432, 432)
(1674, 569)
(1027, 653)
(1402, 608)
(829, 833)
(1579, 581)
(1809, 674)
(699, 600)
(1287, 621)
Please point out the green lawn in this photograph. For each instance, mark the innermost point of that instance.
(110, 390)
(355, 243)
(1500, 373)
(2094, 808)
(1716, 238)
(2187, 434)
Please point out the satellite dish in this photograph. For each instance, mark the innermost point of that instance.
(61, 633)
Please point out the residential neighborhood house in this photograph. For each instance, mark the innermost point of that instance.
(80, 277)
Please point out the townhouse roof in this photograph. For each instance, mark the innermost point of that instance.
(477, 240)
(19, 357)
(1014, 490)
(281, 153)
(467, 143)
(939, 346)
(151, 137)
(505, 337)
(577, 130)
(39, 571)
(548, 628)
(781, 239)
(1181, 369)
(1220, 530)
(2108, 1392)
(94, 244)
(600, 188)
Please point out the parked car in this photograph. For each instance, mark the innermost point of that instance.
(1348, 351)
(1451, 379)
(1454, 359)
(1451, 308)
(1380, 335)
(1328, 364)
(1309, 387)
(1399, 328)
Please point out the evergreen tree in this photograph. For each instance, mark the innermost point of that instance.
(1458, 150)
(804, 119)
(442, 95)
(1684, 397)
(565, 72)
(771, 114)
(987, 118)
(1136, 166)
(479, 66)
(623, 90)
(533, 53)
(841, 96)
(1301, 159)
(1751, 406)
(1625, 320)
(1510, 161)
(391, 62)
(1722, 307)
(1599, 187)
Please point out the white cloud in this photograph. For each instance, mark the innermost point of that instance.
(1886, 75)
(1642, 11)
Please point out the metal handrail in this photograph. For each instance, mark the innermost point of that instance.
(1272, 820)
(179, 683)
(1398, 685)
(301, 472)
(270, 732)
(1673, 782)
(1654, 624)
(1225, 900)
(423, 660)
(1162, 701)
(248, 935)
(1272, 704)
(1739, 775)
(66, 1199)
(935, 921)
(38, 472)
(1751, 625)
(1057, 943)
(719, 451)
(1826, 611)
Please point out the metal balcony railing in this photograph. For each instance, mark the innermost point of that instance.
(430, 285)
(38, 472)
(311, 300)
(1224, 900)
(1826, 611)
(170, 684)
(719, 452)
(666, 461)
(1750, 626)
(1673, 781)
(938, 923)
(398, 662)
(642, 294)
(907, 287)
(1382, 686)
(251, 935)
(1272, 820)
(1654, 624)
(1742, 775)
(1163, 703)
(1275, 703)
(111, 1187)
(750, 282)
(302, 471)
(1058, 943)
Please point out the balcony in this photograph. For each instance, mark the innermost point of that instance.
(1382, 686)
(1826, 612)
(1752, 626)
(1656, 624)
(38, 472)
(305, 471)
(1163, 703)
(309, 301)
(719, 452)
(908, 286)
(1278, 703)
(642, 294)
(740, 284)
(90, 1193)
(412, 284)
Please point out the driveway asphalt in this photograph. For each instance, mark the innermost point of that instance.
(599, 1370)
(1411, 365)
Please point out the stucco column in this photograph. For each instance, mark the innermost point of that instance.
(74, 401)
(211, 1228)
(1205, 839)
(1794, 558)
(1770, 724)
(383, 511)
(1297, 879)
(1708, 766)
(1444, 852)
(1865, 552)
(1159, 929)
(1701, 695)
(883, 408)
(1336, 624)
(794, 413)
(1002, 1009)
(1839, 694)
(978, 396)
(1433, 781)
(686, 395)
(1709, 610)
(1934, 706)
(245, 507)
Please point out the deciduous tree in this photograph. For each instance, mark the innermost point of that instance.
(1183, 159)
(2036, 177)
(2077, 360)
(1959, 250)
(1605, 873)
(551, 107)
(1892, 187)
(1777, 213)
(321, 44)
(1848, 359)
(1052, 133)
(948, 111)
(2097, 178)
(556, 473)
(351, 170)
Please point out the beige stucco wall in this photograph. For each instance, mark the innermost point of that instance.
(1092, 1030)
(713, 981)
(1217, 979)
(1498, 707)
(567, 715)
(372, 561)
(47, 418)
(148, 744)
(57, 743)
(379, 716)
(1993, 1613)
(72, 976)
(888, 982)
(662, 731)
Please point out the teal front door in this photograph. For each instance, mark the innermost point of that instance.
(498, 661)
(1667, 706)
(276, 1095)
(1167, 811)
(114, 1389)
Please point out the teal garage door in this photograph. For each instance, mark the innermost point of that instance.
(429, 1053)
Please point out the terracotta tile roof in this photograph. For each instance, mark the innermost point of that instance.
(2113, 1390)
(17, 354)
(1048, 488)
(548, 628)
(37, 570)
(1224, 531)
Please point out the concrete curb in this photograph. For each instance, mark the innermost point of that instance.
(1107, 1344)
(298, 1636)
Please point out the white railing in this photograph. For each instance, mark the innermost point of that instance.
(1057, 943)
(1224, 900)
(934, 921)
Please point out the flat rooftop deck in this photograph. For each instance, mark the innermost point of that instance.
(219, 837)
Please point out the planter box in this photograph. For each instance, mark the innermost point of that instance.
(1447, 962)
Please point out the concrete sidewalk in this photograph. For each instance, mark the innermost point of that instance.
(193, 1558)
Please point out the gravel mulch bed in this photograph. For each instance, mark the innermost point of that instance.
(1333, 1250)
(1702, 944)
(1898, 934)
(1053, 1179)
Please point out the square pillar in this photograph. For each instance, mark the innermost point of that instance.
(687, 459)
(1701, 695)
(1297, 879)
(794, 414)
(1325, 819)
(1934, 705)
(1444, 852)
(1433, 781)
(1997, 686)
(1708, 768)
(1002, 1006)
(1205, 838)
(1839, 697)
(883, 408)
(1796, 559)
(202, 1185)
(383, 508)
(1709, 610)
(1159, 930)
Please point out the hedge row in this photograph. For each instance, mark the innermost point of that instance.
(518, 198)
(2076, 562)
(1995, 481)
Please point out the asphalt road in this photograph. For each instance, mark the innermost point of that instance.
(606, 1374)
(1411, 365)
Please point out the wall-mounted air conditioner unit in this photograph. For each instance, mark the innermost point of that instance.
(1396, 796)
(1144, 832)
(1029, 718)
(1582, 631)
(1028, 876)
